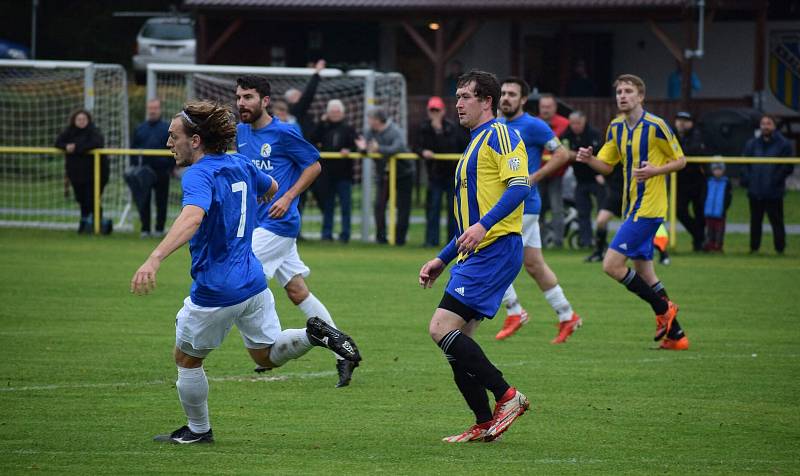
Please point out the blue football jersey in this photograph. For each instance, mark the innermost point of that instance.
(224, 269)
(537, 136)
(280, 150)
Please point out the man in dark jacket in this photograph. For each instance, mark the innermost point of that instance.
(691, 180)
(153, 134)
(439, 135)
(334, 134)
(589, 183)
(386, 138)
(766, 183)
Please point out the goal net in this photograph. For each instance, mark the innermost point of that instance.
(37, 98)
(358, 90)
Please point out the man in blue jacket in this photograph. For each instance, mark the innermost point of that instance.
(153, 134)
(766, 183)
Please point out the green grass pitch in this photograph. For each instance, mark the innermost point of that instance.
(87, 376)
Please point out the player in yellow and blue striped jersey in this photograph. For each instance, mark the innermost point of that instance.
(491, 183)
(648, 151)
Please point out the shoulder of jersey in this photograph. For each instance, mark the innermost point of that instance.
(658, 122)
(504, 141)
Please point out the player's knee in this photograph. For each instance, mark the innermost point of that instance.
(296, 290)
(435, 331)
(612, 269)
(186, 361)
(261, 357)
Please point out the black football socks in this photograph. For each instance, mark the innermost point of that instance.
(471, 358)
(635, 284)
(474, 393)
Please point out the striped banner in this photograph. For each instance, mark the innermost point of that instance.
(784, 67)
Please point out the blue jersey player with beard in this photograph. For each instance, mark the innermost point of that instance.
(280, 150)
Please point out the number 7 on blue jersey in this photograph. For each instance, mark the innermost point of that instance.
(241, 187)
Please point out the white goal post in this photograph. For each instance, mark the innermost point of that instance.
(174, 84)
(36, 100)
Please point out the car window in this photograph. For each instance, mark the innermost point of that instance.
(168, 31)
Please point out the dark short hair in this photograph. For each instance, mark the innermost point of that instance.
(259, 83)
(524, 89)
(486, 85)
(771, 117)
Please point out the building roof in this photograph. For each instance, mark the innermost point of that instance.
(439, 5)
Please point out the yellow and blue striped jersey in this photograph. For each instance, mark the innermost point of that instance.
(651, 140)
(493, 160)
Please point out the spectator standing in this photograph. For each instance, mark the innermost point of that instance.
(766, 183)
(589, 183)
(386, 138)
(718, 199)
(691, 180)
(280, 109)
(153, 134)
(440, 135)
(81, 136)
(334, 134)
(551, 187)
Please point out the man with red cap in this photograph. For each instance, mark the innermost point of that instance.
(439, 135)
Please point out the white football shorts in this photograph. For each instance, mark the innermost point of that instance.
(278, 255)
(531, 236)
(199, 330)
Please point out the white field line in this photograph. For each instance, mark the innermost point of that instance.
(229, 378)
(667, 357)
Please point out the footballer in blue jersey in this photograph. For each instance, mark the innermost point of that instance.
(221, 193)
(280, 149)
(538, 137)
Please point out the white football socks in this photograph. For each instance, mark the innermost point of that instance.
(193, 392)
(313, 307)
(511, 302)
(555, 297)
(290, 344)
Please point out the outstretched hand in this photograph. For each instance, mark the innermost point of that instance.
(429, 272)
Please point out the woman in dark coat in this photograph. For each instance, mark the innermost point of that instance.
(77, 140)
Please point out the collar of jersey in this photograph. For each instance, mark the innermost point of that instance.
(482, 127)
(273, 122)
(214, 156)
(641, 120)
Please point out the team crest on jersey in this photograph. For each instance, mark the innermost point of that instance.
(266, 149)
(514, 163)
